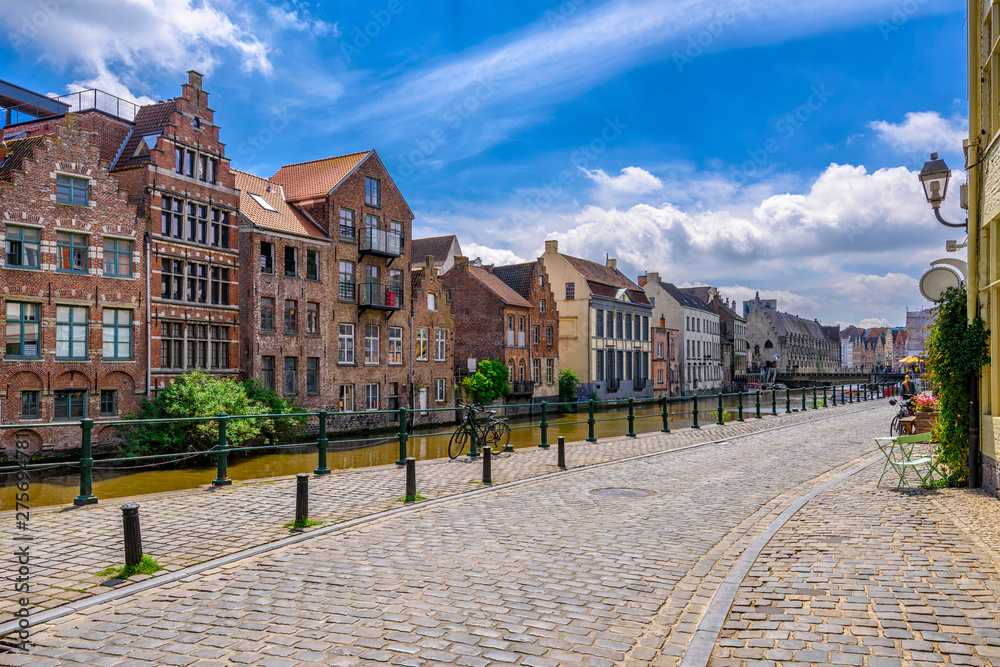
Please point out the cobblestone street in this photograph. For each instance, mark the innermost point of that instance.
(549, 573)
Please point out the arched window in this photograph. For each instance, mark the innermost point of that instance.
(521, 371)
(510, 370)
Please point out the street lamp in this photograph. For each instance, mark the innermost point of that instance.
(934, 177)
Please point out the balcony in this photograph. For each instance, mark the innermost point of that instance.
(521, 388)
(84, 100)
(380, 296)
(381, 243)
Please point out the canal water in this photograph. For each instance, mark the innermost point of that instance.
(61, 483)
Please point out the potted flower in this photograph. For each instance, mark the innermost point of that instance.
(925, 408)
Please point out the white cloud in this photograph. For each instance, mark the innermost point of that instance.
(873, 322)
(632, 180)
(114, 43)
(498, 256)
(923, 132)
(787, 301)
(286, 18)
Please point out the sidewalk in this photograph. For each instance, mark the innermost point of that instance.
(185, 528)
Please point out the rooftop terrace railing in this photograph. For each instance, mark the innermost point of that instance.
(83, 100)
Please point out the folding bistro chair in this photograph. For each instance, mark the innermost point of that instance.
(900, 458)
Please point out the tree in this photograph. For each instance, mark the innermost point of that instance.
(488, 383)
(568, 380)
(956, 352)
(196, 394)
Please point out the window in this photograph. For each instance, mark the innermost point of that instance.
(266, 257)
(347, 281)
(372, 222)
(395, 345)
(510, 331)
(312, 376)
(347, 223)
(549, 336)
(189, 164)
(197, 282)
(520, 331)
(197, 345)
(291, 316)
(22, 247)
(609, 329)
(536, 371)
(197, 223)
(179, 160)
(420, 352)
(440, 390)
(312, 265)
(267, 314)
(345, 344)
(599, 365)
(440, 342)
(220, 346)
(312, 318)
(22, 337)
(71, 332)
(291, 375)
(371, 397)
(371, 344)
(431, 301)
(618, 326)
(392, 400)
(599, 324)
(117, 258)
(171, 345)
(628, 365)
(570, 291)
(70, 190)
(521, 371)
(536, 335)
(510, 370)
(116, 335)
(659, 350)
(202, 166)
(220, 228)
(541, 306)
(197, 123)
(346, 399)
(550, 371)
(220, 285)
(29, 404)
(267, 372)
(659, 376)
(373, 194)
(628, 326)
(396, 285)
(70, 404)
(109, 402)
(171, 218)
(645, 327)
(290, 262)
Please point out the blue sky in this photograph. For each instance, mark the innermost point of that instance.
(766, 145)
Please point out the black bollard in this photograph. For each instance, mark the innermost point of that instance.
(562, 451)
(411, 479)
(133, 535)
(487, 465)
(301, 497)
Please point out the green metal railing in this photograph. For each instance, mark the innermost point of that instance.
(659, 408)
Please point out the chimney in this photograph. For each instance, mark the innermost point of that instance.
(552, 245)
(663, 322)
(194, 79)
(461, 262)
(641, 281)
(653, 277)
(429, 262)
(612, 263)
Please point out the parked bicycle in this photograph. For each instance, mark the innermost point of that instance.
(494, 432)
(905, 410)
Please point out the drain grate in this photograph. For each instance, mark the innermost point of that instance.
(622, 493)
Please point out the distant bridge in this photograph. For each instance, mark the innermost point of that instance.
(804, 378)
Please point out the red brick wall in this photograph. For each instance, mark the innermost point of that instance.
(30, 201)
(426, 281)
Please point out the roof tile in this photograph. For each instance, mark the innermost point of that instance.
(285, 217)
(316, 178)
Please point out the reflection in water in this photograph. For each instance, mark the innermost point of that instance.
(60, 485)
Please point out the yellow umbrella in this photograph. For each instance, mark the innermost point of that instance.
(910, 360)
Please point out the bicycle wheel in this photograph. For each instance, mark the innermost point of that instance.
(498, 436)
(459, 439)
(896, 428)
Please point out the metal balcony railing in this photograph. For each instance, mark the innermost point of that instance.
(373, 294)
(83, 100)
(522, 387)
(380, 242)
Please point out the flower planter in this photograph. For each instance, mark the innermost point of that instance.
(924, 421)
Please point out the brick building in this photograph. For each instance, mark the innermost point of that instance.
(532, 283)
(431, 350)
(72, 285)
(355, 202)
(444, 250)
(665, 365)
(286, 285)
(491, 322)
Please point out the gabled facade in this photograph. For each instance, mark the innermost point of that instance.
(532, 283)
(733, 334)
(288, 276)
(790, 343)
(444, 250)
(492, 321)
(665, 370)
(431, 351)
(604, 321)
(71, 281)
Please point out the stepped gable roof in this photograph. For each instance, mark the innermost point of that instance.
(685, 299)
(498, 287)
(284, 218)
(435, 246)
(601, 279)
(17, 151)
(150, 119)
(517, 276)
(307, 180)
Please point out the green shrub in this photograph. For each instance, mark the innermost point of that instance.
(568, 380)
(489, 382)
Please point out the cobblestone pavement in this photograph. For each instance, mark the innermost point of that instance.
(539, 574)
(73, 544)
(873, 576)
